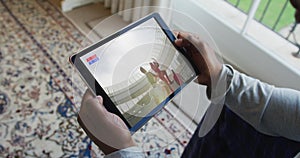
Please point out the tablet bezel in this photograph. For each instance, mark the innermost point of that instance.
(98, 90)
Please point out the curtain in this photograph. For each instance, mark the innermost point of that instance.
(123, 7)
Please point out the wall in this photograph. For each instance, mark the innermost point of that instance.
(68, 5)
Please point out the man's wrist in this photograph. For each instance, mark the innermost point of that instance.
(133, 151)
(221, 83)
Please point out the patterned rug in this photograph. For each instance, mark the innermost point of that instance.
(38, 105)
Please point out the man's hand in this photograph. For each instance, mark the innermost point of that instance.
(203, 56)
(107, 130)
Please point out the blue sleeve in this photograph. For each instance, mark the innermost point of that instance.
(273, 111)
(131, 152)
(282, 114)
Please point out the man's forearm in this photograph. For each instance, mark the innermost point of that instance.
(273, 111)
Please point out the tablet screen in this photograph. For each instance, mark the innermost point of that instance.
(139, 70)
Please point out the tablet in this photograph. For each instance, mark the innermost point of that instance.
(136, 70)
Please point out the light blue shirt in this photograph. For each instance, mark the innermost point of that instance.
(131, 152)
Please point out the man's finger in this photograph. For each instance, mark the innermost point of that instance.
(178, 42)
(184, 35)
(100, 99)
(189, 37)
(175, 33)
(87, 95)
